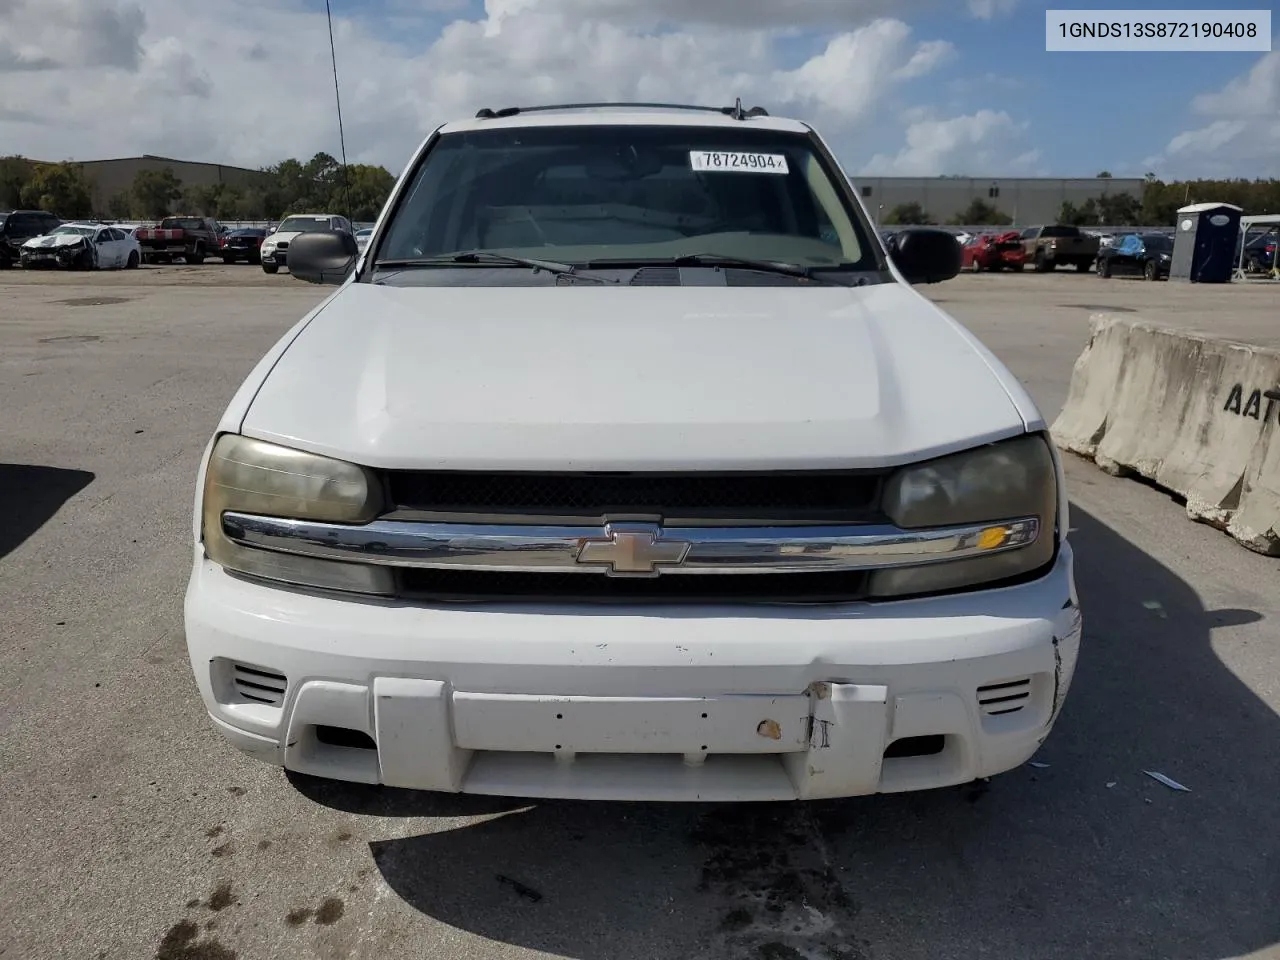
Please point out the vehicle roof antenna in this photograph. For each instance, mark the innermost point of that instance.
(738, 112)
(342, 139)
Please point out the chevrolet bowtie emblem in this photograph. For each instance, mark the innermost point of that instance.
(638, 550)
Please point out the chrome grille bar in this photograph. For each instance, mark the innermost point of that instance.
(628, 549)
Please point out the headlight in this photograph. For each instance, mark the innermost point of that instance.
(1001, 482)
(250, 476)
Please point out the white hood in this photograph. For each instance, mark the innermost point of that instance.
(273, 238)
(54, 240)
(633, 378)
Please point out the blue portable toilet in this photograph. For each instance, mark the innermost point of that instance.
(1204, 246)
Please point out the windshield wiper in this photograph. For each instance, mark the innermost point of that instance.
(485, 256)
(723, 260)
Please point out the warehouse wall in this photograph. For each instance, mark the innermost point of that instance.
(1027, 200)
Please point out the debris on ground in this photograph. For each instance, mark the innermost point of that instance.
(1171, 784)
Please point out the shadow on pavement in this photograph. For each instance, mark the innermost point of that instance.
(1088, 857)
(30, 496)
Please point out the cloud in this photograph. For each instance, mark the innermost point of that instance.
(985, 143)
(987, 9)
(1243, 139)
(249, 82)
(750, 14)
(70, 33)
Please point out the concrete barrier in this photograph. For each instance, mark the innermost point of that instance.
(1194, 414)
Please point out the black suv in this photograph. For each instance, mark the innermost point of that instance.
(18, 227)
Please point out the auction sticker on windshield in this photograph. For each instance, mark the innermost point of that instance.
(738, 162)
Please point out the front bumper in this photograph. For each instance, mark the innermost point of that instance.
(279, 257)
(725, 704)
(53, 256)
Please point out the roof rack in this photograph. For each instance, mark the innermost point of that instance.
(736, 111)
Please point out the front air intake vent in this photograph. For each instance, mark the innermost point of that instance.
(257, 685)
(656, 277)
(997, 699)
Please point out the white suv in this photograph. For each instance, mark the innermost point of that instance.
(275, 246)
(625, 463)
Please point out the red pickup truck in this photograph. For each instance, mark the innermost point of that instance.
(192, 238)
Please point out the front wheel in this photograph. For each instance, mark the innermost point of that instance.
(132, 262)
(1040, 264)
(1083, 266)
(1149, 272)
(228, 259)
(270, 268)
(196, 256)
(1104, 269)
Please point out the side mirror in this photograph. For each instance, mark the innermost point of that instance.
(924, 254)
(322, 256)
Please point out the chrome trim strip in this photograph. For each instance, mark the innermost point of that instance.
(624, 549)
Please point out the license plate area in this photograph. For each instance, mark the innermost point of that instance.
(738, 724)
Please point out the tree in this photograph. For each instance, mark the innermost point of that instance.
(1086, 213)
(60, 188)
(1120, 210)
(155, 191)
(120, 207)
(979, 213)
(15, 172)
(905, 213)
(1104, 175)
(369, 188)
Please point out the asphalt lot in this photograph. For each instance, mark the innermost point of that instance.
(130, 830)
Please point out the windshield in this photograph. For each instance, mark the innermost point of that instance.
(304, 225)
(1060, 231)
(629, 193)
(81, 231)
(181, 223)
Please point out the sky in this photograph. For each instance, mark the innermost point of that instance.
(897, 87)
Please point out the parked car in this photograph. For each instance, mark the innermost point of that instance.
(1147, 254)
(275, 248)
(243, 244)
(83, 246)
(1049, 246)
(993, 251)
(19, 226)
(362, 238)
(1259, 252)
(191, 238)
(530, 506)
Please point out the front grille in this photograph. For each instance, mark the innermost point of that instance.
(469, 586)
(282, 245)
(829, 496)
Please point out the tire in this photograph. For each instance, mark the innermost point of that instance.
(975, 267)
(1018, 267)
(1083, 266)
(228, 259)
(196, 256)
(132, 263)
(270, 268)
(254, 259)
(1040, 265)
(1150, 271)
(1104, 268)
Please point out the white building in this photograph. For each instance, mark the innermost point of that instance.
(1028, 200)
